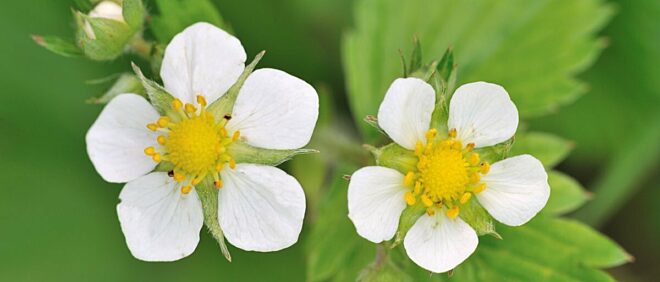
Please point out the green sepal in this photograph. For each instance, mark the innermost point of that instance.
(242, 152)
(548, 148)
(126, 83)
(408, 218)
(109, 37)
(208, 195)
(373, 121)
(133, 13)
(478, 218)
(58, 46)
(440, 116)
(445, 75)
(495, 153)
(416, 56)
(159, 97)
(225, 105)
(396, 157)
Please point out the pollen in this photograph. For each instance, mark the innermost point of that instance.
(194, 143)
(447, 174)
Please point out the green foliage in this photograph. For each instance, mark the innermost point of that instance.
(549, 149)
(126, 83)
(334, 250)
(175, 15)
(133, 13)
(532, 48)
(566, 194)
(158, 96)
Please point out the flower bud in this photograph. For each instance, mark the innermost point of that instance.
(105, 31)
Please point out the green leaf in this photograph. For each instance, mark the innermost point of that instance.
(545, 249)
(241, 152)
(548, 148)
(158, 96)
(566, 194)
(225, 105)
(58, 45)
(175, 15)
(126, 83)
(518, 44)
(208, 195)
(334, 250)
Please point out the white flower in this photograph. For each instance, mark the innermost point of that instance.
(448, 173)
(261, 208)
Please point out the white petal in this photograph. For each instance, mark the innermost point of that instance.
(159, 222)
(116, 141)
(202, 60)
(516, 189)
(438, 243)
(275, 110)
(375, 202)
(261, 207)
(483, 114)
(405, 113)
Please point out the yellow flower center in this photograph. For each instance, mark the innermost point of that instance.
(447, 174)
(194, 143)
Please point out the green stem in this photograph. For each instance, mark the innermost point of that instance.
(620, 180)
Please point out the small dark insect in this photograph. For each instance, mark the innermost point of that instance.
(170, 173)
(227, 117)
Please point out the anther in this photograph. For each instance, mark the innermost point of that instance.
(161, 139)
(190, 108)
(410, 198)
(218, 184)
(152, 126)
(485, 168)
(150, 151)
(235, 136)
(457, 145)
(475, 177)
(426, 201)
(453, 212)
(452, 133)
(186, 189)
(474, 159)
(466, 197)
(419, 147)
(223, 132)
(163, 121)
(431, 133)
(408, 179)
(177, 104)
(232, 164)
(430, 212)
(469, 147)
(157, 158)
(196, 181)
(418, 188)
(219, 167)
(179, 177)
(201, 100)
(480, 188)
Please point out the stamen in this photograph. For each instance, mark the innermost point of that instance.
(161, 139)
(177, 104)
(219, 167)
(163, 121)
(418, 188)
(190, 109)
(452, 133)
(430, 212)
(150, 151)
(152, 126)
(232, 164)
(453, 212)
(485, 168)
(466, 197)
(218, 184)
(475, 177)
(480, 188)
(179, 177)
(431, 133)
(156, 157)
(186, 189)
(235, 136)
(474, 159)
(469, 147)
(410, 198)
(201, 101)
(419, 147)
(426, 201)
(408, 179)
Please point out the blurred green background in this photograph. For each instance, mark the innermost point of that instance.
(57, 216)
